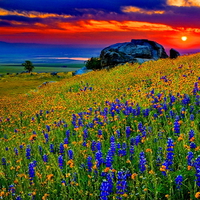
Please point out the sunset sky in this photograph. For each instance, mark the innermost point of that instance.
(100, 23)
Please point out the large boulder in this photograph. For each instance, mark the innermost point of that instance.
(135, 51)
(174, 53)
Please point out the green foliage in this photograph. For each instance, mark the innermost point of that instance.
(28, 66)
(93, 63)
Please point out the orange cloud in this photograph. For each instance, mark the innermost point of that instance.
(184, 3)
(133, 9)
(31, 14)
(112, 25)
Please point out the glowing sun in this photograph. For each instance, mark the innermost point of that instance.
(184, 38)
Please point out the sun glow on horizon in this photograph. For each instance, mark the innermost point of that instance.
(184, 38)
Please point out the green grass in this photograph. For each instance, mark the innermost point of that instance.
(51, 67)
(13, 84)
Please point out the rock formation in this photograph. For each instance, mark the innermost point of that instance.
(135, 51)
(174, 53)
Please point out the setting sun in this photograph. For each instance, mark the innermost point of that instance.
(184, 38)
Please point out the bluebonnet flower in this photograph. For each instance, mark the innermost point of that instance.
(89, 163)
(118, 133)
(45, 158)
(52, 150)
(61, 149)
(3, 161)
(40, 149)
(186, 100)
(195, 89)
(192, 117)
(108, 161)
(146, 112)
(132, 150)
(98, 146)
(28, 152)
(100, 133)
(48, 128)
(93, 146)
(176, 127)
(12, 189)
(46, 136)
(140, 127)
(142, 164)
(21, 147)
(169, 157)
(197, 168)
(67, 133)
(137, 139)
(183, 112)
(172, 114)
(121, 186)
(112, 139)
(16, 151)
(85, 134)
(170, 145)
(190, 157)
(99, 158)
(104, 190)
(193, 145)
(70, 154)
(178, 181)
(60, 161)
(113, 147)
(110, 178)
(191, 135)
(128, 131)
(18, 198)
(31, 172)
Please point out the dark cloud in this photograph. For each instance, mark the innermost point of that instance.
(5, 24)
(69, 6)
(20, 19)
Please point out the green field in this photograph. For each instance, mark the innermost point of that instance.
(50, 67)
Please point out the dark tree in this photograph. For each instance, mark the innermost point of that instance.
(28, 66)
(93, 63)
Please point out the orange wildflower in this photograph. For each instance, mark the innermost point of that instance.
(49, 177)
(197, 195)
(149, 150)
(106, 169)
(133, 176)
(32, 137)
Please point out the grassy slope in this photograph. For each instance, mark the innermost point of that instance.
(76, 94)
(114, 84)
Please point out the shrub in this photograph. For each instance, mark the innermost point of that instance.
(93, 63)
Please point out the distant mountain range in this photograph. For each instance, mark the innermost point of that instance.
(44, 53)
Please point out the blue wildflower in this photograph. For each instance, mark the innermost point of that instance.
(28, 152)
(70, 154)
(104, 190)
(89, 163)
(3, 161)
(142, 164)
(178, 181)
(45, 158)
(31, 172)
(60, 161)
(61, 149)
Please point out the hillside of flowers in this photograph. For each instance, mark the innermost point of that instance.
(131, 132)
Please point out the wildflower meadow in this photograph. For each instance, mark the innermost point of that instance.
(131, 132)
